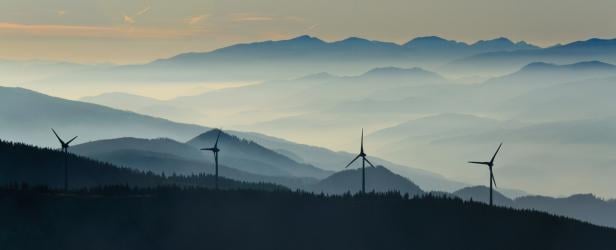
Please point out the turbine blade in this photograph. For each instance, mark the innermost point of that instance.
(217, 137)
(69, 142)
(494, 156)
(479, 162)
(362, 140)
(370, 163)
(493, 180)
(352, 161)
(208, 149)
(57, 136)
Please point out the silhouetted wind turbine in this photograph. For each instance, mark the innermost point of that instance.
(65, 146)
(490, 164)
(362, 154)
(215, 150)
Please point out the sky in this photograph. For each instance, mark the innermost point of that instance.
(136, 31)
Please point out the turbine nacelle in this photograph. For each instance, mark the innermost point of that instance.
(215, 148)
(64, 144)
(491, 162)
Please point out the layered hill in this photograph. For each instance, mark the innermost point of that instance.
(172, 157)
(378, 179)
(594, 49)
(45, 167)
(253, 158)
(584, 207)
(27, 116)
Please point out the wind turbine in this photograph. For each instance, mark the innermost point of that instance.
(215, 150)
(490, 164)
(65, 146)
(362, 154)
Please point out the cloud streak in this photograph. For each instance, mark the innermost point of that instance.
(143, 11)
(132, 19)
(243, 17)
(128, 19)
(50, 30)
(196, 19)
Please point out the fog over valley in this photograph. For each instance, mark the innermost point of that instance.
(429, 104)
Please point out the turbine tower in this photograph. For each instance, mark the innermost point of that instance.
(362, 154)
(490, 164)
(215, 150)
(65, 146)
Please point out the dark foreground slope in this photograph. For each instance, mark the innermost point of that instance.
(170, 218)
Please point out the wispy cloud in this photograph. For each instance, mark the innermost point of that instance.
(50, 30)
(196, 19)
(245, 17)
(133, 19)
(144, 10)
(128, 19)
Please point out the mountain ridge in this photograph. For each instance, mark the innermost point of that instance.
(585, 207)
(248, 155)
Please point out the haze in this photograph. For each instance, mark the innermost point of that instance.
(434, 84)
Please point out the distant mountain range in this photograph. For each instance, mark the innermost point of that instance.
(434, 44)
(504, 61)
(300, 56)
(310, 48)
(305, 55)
